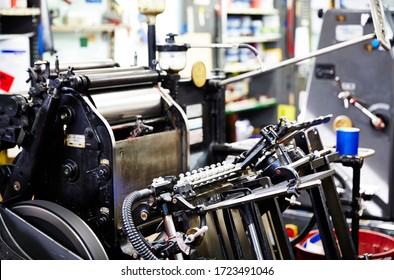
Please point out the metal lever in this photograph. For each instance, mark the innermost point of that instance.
(348, 98)
(190, 238)
(343, 94)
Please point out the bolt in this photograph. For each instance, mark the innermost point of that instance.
(174, 201)
(17, 186)
(63, 116)
(67, 170)
(104, 210)
(102, 220)
(144, 215)
(104, 161)
(88, 133)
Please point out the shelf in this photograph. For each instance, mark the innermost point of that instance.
(249, 104)
(240, 67)
(13, 36)
(84, 28)
(252, 12)
(19, 11)
(254, 39)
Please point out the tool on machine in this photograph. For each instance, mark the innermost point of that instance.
(348, 98)
(245, 184)
(94, 197)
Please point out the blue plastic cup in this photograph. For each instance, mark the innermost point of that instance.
(347, 140)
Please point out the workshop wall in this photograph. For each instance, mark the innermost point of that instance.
(79, 31)
(84, 30)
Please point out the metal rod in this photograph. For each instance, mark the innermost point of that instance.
(152, 46)
(185, 127)
(298, 59)
(104, 80)
(310, 181)
(80, 65)
(110, 70)
(171, 232)
(255, 241)
(356, 199)
(324, 224)
(220, 235)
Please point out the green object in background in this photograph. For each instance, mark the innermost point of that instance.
(83, 42)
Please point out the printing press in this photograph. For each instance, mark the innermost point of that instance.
(131, 163)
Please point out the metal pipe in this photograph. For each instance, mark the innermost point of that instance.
(129, 125)
(297, 59)
(171, 232)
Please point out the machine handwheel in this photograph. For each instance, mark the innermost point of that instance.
(63, 226)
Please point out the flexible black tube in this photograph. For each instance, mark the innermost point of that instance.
(132, 233)
(304, 232)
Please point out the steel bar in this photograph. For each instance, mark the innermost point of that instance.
(297, 59)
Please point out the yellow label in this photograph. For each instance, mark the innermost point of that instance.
(288, 111)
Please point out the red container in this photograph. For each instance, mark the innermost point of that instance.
(377, 245)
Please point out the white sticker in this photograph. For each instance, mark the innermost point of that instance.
(194, 110)
(75, 140)
(348, 32)
(196, 136)
(195, 123)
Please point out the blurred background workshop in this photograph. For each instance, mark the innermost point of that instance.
(196, 129)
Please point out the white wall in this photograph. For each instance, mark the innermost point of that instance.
(67, 44)
(130, 37)
(133, 39)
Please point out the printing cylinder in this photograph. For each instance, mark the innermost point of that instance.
(114, 79)
(123, 105)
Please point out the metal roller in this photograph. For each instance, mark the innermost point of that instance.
(80, 65)
(110, 70)
(123, 105)
(111, 80)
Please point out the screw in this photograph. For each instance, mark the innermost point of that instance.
(88, 133)
(63, 116)
(144, 216)
(17, 186)
(104, 210)
(67, 170)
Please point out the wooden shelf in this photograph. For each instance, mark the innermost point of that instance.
(254, 39)
(252, 11)
(84, 28)
(249, 104)
(20, 11)
(240, 67)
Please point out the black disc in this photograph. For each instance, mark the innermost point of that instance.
(63, 226)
